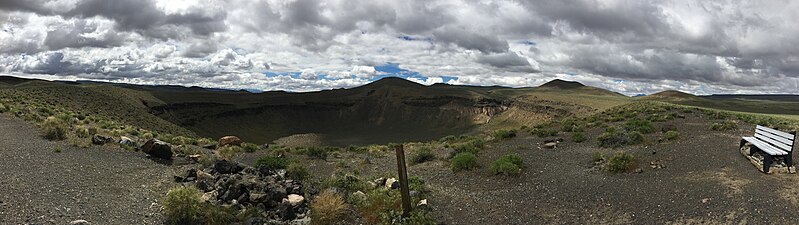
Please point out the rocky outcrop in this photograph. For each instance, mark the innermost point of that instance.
(229, 140)
(127, 141)
(157, 148)
(239, 186)
(99, 139)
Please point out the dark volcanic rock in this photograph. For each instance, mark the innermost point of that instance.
(227, 167)
(98, 139)
(157, 148)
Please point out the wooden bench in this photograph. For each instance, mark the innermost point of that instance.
(772, 143)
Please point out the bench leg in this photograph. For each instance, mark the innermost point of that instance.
(767, 159)
(789, 160)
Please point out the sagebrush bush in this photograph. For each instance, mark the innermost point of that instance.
(510, 164)
(228, 152)
(327, 208)
(273, 163)
(55, 129)
(614, 138)
(620, 161)
(250, 147)
(544, 132)
(598, 156)
(672, 134)
(726, 125)
(578, 137)
(639, 125)
(3, 108)
(183, 206)
(571, 125)
(469, 144)
(296, 171)
(504, 134)
(423, 154)
(82, 132)
(316, 152)
(464, 161)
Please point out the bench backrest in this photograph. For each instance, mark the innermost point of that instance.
(778, 139)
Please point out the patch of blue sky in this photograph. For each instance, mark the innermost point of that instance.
(386, 70)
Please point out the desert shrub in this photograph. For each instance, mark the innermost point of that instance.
(504, 134)
(620, 161)
(356, 149)
(726, 125)
(597, 156)
(421, 155)
(183, 206)
(296, 171)
(510, 164)
(464, 161)
(571, 125)
(228, 152)
(672, 134)
(349, 182)
(82, 132)
(249, 147)
(544, 132)
(639, 125)
(448, 138)
(416, 183)
(54, 129)
(3, 108)
(614, 138)
(92, 130)
(578, 137)
(147, 136)
(327, 208)
(316, 152)
(273, 163)
(470, 144)
(378, 203)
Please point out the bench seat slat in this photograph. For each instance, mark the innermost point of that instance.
(771, 150)
(774, 143)
(775, 137)
(773, 131)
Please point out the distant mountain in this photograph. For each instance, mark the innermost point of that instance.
(562, 84)
(670, 94)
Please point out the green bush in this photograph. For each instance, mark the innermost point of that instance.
(726, 125)
(672, 134)
(571, 125)
(316, 152)
(598, 156)
(614, 138)
(249, 147)
(578, 137)
(504, 134)
(183, 206)
(296, 171)
(639, 125)
(469, 144)
(54, 129)
(620, 161)
(228, 152)
(82, 132)
(464, 161)
(510, 164)
(3, 108)
(421, 155)
(273, 163)
(544, 132)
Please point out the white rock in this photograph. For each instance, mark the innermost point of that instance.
(392, 183)
(79, 222)
(294, 199)
(209, 196)
(422, 202)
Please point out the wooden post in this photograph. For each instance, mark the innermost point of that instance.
(403, 179)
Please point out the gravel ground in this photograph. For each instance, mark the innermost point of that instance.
(705, 181)
(102, 185)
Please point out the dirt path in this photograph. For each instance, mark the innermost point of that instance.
(99, 184)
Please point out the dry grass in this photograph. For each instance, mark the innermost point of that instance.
(327, 208)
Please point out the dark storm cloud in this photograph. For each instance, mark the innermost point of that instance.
(484, 43)
(510, 61)
(36, 6)
(144, 17)
(72, 36)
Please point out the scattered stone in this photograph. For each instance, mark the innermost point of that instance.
(209, 146)
(157, 148)
(209, 196)
(294, 200)
(229, 140)
(227, 167)
(380, 181)
(203, 176)
(392, 183)
(657, 164)
(705, 200)
(422, 202)
(668, 127)
(556, 140)
(79, 222)
(359, 195)
(550, 145)
(639, 170)
(127, 141)
(99, 139)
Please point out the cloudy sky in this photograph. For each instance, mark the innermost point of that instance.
(635, 46)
